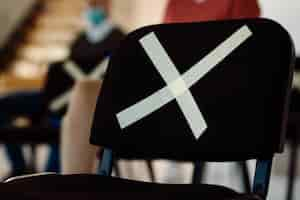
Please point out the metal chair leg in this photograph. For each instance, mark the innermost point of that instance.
(262, 177)
(117, 168)
(33, 157)
(245, 176)
(107, 162)
(151, 170)
(199, 168)
(292, 168)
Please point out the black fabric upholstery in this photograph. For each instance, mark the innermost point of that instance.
(243, 99)
(100, 187)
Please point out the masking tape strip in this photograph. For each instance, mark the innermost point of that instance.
(100, 70)
(74, 71)
(60, 101)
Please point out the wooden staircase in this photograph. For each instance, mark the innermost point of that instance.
(44, 39)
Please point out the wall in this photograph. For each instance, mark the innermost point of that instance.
(131, 14)
(287, 13)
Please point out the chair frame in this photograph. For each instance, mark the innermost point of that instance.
(260, 183)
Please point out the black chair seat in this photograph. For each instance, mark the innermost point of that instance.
(96, 187)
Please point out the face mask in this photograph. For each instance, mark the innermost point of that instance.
(94, 16)
(98, 26)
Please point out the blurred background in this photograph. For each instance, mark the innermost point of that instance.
(36, 33)
(45, 29)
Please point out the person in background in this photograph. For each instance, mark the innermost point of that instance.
(208, 10)
(103, 4)
(94, 15)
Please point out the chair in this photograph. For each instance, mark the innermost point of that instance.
(229, 106)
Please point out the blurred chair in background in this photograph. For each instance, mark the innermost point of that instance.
(87, 54)
(22, 54)
(21, 104)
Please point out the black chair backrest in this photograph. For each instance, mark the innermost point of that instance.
(87, 60)
(213, 91)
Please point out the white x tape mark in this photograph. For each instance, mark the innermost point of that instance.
(178, 86)
(74, 71)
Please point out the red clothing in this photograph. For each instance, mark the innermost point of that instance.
(205, 10)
